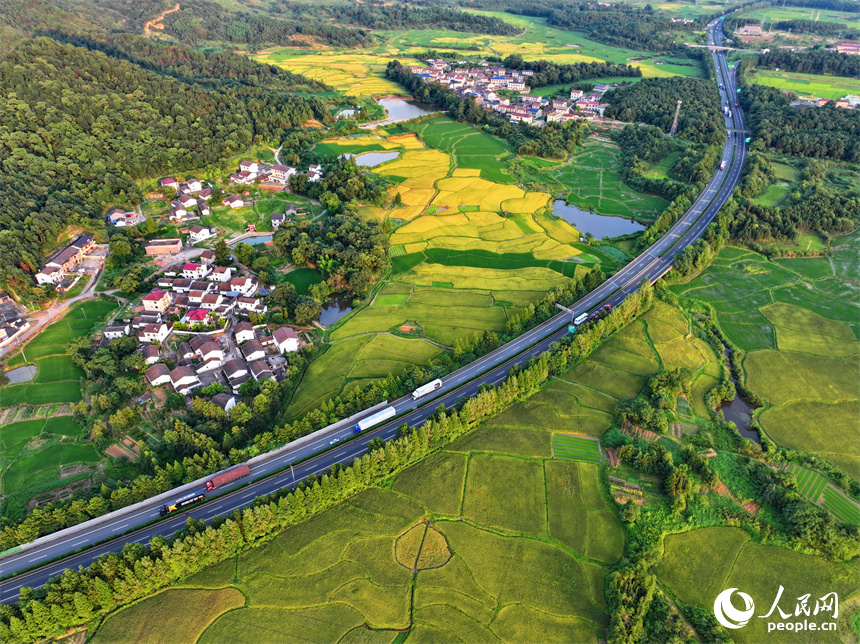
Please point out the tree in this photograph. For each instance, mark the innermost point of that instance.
(222, 253)
(398, 200)
(244, 253)
(149, 226)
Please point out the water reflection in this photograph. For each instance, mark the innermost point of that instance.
(600, 226)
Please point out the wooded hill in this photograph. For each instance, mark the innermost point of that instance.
(78, 126)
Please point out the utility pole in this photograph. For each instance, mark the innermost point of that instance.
(675, 121)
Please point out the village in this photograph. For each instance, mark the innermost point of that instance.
(202, 322)
(491, 87)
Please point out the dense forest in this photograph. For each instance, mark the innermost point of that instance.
(819, 27)
(814, 61)
(77, 126)
(400, 17)
(548, 73)
(654, 100)
(826, 132)
(340, 25)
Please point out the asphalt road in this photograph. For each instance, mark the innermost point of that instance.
(490, 369)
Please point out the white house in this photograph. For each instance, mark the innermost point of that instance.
(184, 380)
(169, 182)
(207, 256)
(224, 401)
(251, 305)
(278, 219)
(249, 166)
(286, 339)
(204, 209)
(187, 201)
(195, 271)
(116, 331)
(211, 350)
(154, 333)
(281, 173)
(260, 370)
(199, 233)
(158, 374)
(220, 274)
(194, 185)
(211, 301)
(50, 275)
(243, 331)
(244, 285)
(150, 354)
(234, 201)
(253, 350)
(209, 365)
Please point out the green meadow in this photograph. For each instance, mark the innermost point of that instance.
(833, 87)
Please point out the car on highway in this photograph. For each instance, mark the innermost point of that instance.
(333, 441)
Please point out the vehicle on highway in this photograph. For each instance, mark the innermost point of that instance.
(374, 419)
(228, 477)
(723, 165)
(333, 441)
(580, 319)
(423, 390)
(182, 502)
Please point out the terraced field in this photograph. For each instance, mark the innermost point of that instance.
(796, 319)
(33, 451)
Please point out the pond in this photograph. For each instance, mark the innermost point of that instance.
(345, 114)
(336, 308)
(601, 226)
(399, 109)
(19, 375)
(253, 241)
(739, 411)
(371, 159)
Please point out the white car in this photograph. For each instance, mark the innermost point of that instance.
(333, 441)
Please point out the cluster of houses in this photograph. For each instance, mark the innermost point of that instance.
(483, 83)
(203, 359)
(192, 199)
(123, 218)
(251, 172)
(55, 269)
(850, 102)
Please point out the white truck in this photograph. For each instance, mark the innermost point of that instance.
(374, 419)
(423, 390)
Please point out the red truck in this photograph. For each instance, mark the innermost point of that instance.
(228, 477)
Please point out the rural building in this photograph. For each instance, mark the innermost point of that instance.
(195, 271)
(207, 256)
(244, 331)
(158, 374)
(224, 401)
(260, 370)
(211, 350)
(150, 354)
(157, 301)
(154, 333)
(115, 331)
(234, 201)
(220, 274)
(183, 380)
(50, 275)
(200, 233)
(169, 182)
(244, 285)
(163, 246)
(286, 339)
(281, 173)
(253, 350)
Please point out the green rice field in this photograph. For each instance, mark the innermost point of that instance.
(576, 448)
(841, 506)
(833, 87)
(810, 483)
(796, 320)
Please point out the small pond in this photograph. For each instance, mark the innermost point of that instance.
(334, 310)
(19, 375)
(399, 109)
(600, 226)
(253, 241)
(739, 412)
(371, 159)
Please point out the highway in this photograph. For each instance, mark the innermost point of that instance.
(491, 369)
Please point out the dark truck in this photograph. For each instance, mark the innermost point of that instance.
(228, 477)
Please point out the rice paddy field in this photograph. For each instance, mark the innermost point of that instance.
(777, 14)
(34, 450)
(698, 565)
(833, 87)
(360, 72)
(514, 544)
(796, 319)
(818, 489)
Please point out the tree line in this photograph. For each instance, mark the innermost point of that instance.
(67, 160)
(549, 73)
(79, 596)
(827, 62)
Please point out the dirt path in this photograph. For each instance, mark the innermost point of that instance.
(52, 314)
(157, 24)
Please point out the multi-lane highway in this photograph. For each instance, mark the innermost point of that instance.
(490, 369)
